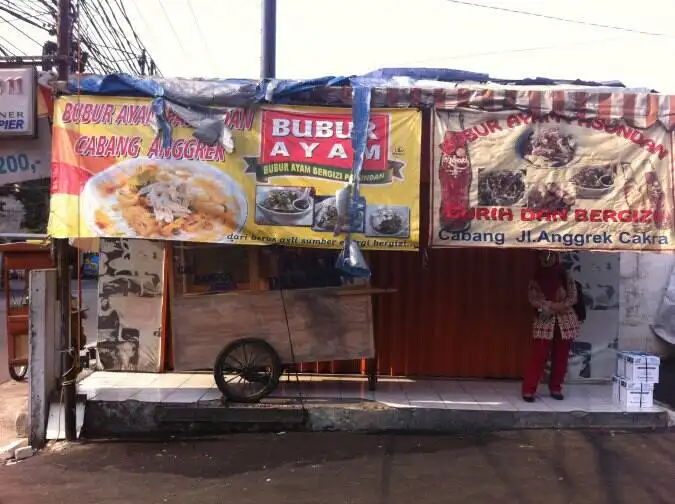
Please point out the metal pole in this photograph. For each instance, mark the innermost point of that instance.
(62, 250)
(268, 58)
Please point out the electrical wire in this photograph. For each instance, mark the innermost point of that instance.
(15, 48)
(19, 30)
(91, 28)
(122, 41)
(561, 19)
(51, 8)
(28, 9)
(123, 11)
(106, 24)
(201, 33)
(282, 268)
(147, 27)
(173, 29)
(13, 12)
(103, 28)
(510, 51)
(113, 48)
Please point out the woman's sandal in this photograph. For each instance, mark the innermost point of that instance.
(558, 396)
(528, 398)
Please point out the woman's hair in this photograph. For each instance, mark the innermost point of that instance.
(550, 277)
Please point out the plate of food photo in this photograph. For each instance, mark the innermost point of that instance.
(164, 199)
(551, 196)
(594, 182)
(546, 147)
(388, 221)
(505, 188)
(326, 216)
(284, 206)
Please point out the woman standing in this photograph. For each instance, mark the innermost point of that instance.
(553, 294)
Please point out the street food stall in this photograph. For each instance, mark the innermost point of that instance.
(514, 166)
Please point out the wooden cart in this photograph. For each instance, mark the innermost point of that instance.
(258, 332)
(18, 260)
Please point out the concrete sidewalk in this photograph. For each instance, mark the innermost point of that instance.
(146, 405)
(529, 467)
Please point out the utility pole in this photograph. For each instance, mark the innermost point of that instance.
(142, 61)
(268, 58)
(62, 251)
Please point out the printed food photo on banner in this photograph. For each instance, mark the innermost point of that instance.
(513, 179)
(284, 206)
(112, 177)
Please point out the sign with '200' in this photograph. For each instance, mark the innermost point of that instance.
(26, 159)
(19, 163)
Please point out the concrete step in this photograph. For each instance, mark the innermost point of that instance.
(127, 419)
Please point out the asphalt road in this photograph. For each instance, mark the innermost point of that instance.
(516, 467)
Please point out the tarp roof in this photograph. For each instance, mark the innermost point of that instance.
(241, 92)
(399, 87)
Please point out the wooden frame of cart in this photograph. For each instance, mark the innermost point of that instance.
(251, 312)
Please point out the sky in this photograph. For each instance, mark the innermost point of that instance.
(345, 37)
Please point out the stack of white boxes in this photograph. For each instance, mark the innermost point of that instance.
(636, 375)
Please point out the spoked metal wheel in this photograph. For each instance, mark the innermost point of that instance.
(18, 373)
(247, 370)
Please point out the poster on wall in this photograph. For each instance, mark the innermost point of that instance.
(593, 353)
(113, 178)
(130, 286)
(512, 179)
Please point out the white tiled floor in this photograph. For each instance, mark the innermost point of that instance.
(403, 393)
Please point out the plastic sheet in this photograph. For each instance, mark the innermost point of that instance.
(351, 260)
(245, 92)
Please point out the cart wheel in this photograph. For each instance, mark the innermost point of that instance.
(18, 373)
(247, 370)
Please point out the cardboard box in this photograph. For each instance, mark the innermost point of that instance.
(631, 395)
(638, 367)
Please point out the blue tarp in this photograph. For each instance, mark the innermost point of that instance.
(439, 74)
(246, 91)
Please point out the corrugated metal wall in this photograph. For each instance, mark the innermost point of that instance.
(457, 313)
(463, 314)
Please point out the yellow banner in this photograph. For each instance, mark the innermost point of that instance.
(513, 179)
(112, 177)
